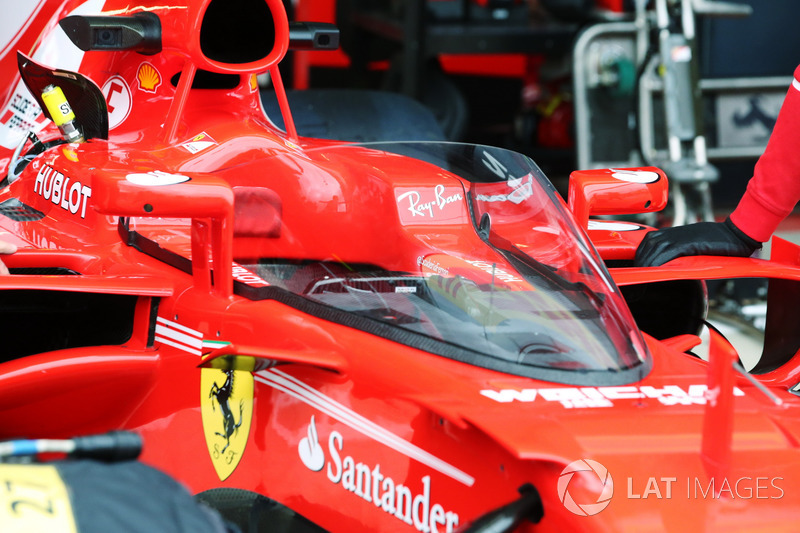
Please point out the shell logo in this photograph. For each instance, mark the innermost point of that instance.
(148, 77)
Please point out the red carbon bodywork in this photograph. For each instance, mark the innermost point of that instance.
(354, 431)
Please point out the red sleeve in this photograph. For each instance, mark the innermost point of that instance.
(774, 189)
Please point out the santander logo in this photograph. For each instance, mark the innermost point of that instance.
(310, 451)
(410, 503)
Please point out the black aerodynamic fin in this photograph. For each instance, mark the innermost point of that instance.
(83, 95)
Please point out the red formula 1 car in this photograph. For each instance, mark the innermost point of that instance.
(391, 337)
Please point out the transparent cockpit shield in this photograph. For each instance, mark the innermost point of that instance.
(464, 251)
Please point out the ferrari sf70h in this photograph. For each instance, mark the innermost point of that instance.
(320, 335)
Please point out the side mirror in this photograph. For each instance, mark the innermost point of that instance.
(204, 198)
(616, 191)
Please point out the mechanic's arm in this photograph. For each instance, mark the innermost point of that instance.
(771, 194)
(5, 248)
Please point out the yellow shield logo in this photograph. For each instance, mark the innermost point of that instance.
(226, 400)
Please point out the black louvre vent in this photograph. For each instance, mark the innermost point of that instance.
(16, 210)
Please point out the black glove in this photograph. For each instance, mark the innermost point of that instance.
(703, 238)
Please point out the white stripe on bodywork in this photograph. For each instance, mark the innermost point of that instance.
(178, 336)
(55, 50)
(58, 50)
(17, 18)
(796, 84)
(175, 325)
(296, 388)
(165, 340)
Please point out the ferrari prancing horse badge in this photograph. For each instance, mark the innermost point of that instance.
(226, 398)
